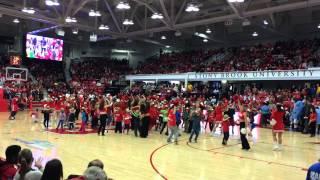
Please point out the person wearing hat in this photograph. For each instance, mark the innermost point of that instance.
(8, 167)
(225, 129)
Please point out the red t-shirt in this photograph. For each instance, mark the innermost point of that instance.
(127, 118)
(218, 113)
(211, 116)
(278, 117)
(172, 119)
(118, 117)
(7, 171)
(225, 126)
(313, 117)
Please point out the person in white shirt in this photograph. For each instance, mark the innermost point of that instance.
(25, 171)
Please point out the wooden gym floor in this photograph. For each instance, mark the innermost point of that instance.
(128, 157)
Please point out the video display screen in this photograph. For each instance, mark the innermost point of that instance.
(44, 48)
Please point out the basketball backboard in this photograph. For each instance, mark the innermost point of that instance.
(16, 74)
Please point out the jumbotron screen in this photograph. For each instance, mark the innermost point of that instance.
(44, 48)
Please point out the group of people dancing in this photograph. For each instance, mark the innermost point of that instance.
(141, 113)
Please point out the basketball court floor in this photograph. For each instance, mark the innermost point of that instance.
(128, 157)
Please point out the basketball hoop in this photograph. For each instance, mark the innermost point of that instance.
(16, 74)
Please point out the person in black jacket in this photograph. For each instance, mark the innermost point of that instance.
(305, 117)
(46, 116)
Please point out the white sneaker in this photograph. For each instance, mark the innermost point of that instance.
(275, 147)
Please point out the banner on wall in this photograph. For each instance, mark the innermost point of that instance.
(299, 74)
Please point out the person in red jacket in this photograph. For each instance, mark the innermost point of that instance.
(8, 166)
(172, 124)
(118, 118)
(225, 129)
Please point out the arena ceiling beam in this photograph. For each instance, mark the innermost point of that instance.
(239, 13)
(152, 10)
(115, 20)
(82, 4)
(69, 8)
(133, 13)
(50, 21)
(165, 12)
(180, 12)
(258, 12)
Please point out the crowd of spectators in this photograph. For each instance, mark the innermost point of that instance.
(95, 74)
(19, 163)
(278, 56)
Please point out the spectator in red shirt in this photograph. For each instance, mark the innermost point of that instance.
(8, 167)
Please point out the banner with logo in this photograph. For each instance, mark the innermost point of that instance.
(300, 74)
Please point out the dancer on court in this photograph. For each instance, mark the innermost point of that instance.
(103, 115)
(277, 127)
(46, 116)
(14, 108)
(172, 124)
(84, 119)
(196, 127)
(225, 129)
(62, 118)
(218, 116)
(243, 128)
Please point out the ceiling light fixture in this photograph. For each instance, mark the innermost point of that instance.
(52, 3)
(208, 31)
(75, 31)
(16, 21)
(167, 46)
(93, 37)
(157, 16)
(319, 26)
(123, 5)
(93, 13)
(71, 20)
(205, 40)
(235, 1)
(127, 22)
(163, 37)
(255, 34)
(192, 7)
(265, 22)
(29, 10)
(103, 27)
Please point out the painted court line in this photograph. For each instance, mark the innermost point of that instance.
(151, 160)
(242, 157)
